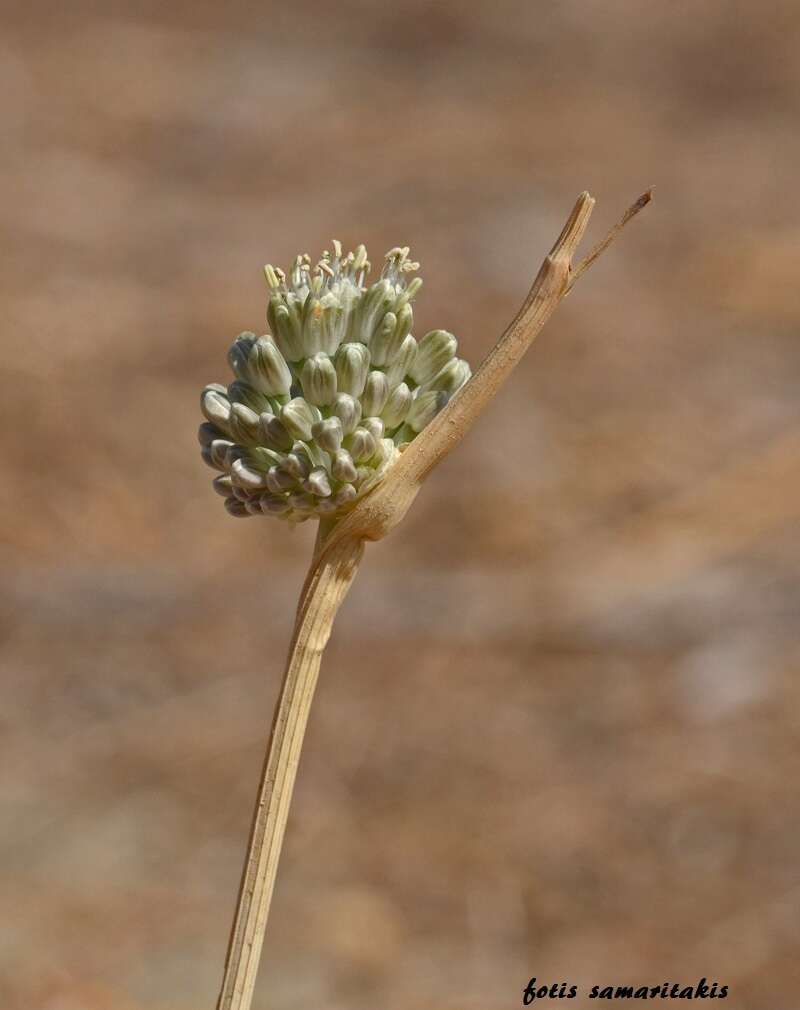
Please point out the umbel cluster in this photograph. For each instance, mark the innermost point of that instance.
(322, 405)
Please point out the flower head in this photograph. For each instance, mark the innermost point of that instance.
(323, 404)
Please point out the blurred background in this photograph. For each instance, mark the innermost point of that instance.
(556, 732)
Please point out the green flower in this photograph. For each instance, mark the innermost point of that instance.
(322, 406)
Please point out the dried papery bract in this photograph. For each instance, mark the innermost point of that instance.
(337, 553)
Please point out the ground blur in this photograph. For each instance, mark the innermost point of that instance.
(556, 731)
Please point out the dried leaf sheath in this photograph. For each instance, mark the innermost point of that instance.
(329, 579)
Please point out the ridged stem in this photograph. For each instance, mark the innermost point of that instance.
(329, 578)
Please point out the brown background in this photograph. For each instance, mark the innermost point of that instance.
(557, 729)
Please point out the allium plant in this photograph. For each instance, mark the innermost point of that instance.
(340, 414)
(324, 403)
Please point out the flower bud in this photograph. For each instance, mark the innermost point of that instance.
(247, 477)
(218, 452)
(328, 434)
(216, 406)
(348, 411)
(352, 367)
(243, 392)
(236, 508)
(374, 425)
(298, 418)
(378, 300)
(243, 424)
(400, 366)
(452, 377)
(345, 495)
(297, 465)
(317, 483)
(223, 485)
(424, 408)
(284, 321)
(435, 350)
(274, 505)
(380, 345)
(362, 445)
(312, 327)
(397, 406)
(239, 355)
(279, 480)
(342, 466)
(268, 369)
(375, 395)
(206, 433)
(318, 379)
(301, 501)
(274, 433)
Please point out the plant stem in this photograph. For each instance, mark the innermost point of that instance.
(329, 578)
(337, 553)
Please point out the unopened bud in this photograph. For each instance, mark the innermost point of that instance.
(452, 377)
(400, 365)
(352, 367)
(374, 425)
(348, 410)
(236, 508)
(298, 418)
(397, 406)
(424, 408)
(284, 321)
(318, 379)
(223, 485)
(328, 434)
(318, 483)
(375, 395)
(435, 350)
(362, 445)
(268, 369)
(342, 466)
(243, 424)
(216, 407)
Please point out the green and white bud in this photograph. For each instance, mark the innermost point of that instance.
(452, 377)
(284, 321)
(279, 480)
(342, 466)
(348, 410)
(206, 433)
(247, 477)
(424, 408)
(362, 445)
(299, 417)
(400, 366)
(328, 434)
(304, 430)
(374, 425)
(268, 369)
(274, 433)
(216, 406)
(352, 368)
(435, 350)
(397, 406)
(236, 508)
(243, 424)
(375, 395)
(243, 392)
(218, 453)
(223, 485)
(318, 379)
(318, 483)
(239, 355)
